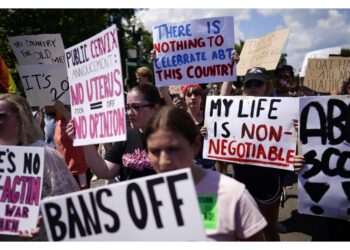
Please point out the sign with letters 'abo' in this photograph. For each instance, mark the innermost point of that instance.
(196, 51)
(324, 75)
(161, 207)
(96, 89)
(324, 181)
(251, 130)
(21, 173)
(262, 52)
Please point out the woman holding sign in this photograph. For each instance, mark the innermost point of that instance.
(228, 210)
(263, 183)
(127, 159)
(17, 128)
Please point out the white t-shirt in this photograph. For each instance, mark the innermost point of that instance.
(229, 211)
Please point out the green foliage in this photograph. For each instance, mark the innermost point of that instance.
(74, 25)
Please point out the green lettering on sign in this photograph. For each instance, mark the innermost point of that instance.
(209, 210)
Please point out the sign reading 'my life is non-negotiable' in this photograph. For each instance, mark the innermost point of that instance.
(251, 130)
(96, 89)
(196, 51)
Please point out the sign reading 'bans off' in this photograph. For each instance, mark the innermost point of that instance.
(160, 207)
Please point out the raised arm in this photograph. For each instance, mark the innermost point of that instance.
(100, 167)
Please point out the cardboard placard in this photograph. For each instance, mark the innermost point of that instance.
(21, 173)
(96, 89)
(324, 75)
(324, 181)
(162, 207)
(251, 130)
(38, 49)
(262, 52)
(196, 51)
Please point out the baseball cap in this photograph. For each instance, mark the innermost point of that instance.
(257, 74)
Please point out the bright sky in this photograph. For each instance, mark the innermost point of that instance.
(311, 29)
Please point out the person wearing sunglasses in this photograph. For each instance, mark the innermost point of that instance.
(17, 128)
(264, 184)
(127, 159)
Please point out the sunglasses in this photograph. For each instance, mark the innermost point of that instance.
(256, 84)
(194, 92)
(4, 116)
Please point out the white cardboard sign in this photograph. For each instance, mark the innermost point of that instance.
(38, 49)
(96, 89)
(196, 51)
(324, 182)
(162, 207)
(21, 173)
(251, 130)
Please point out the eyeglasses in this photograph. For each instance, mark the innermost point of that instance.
(4, 116)
(136, 107)
(256, 84)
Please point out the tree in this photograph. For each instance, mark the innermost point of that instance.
(74, 25)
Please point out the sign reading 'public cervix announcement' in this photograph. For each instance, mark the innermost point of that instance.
(21, 173)
(196, 51)
(96, 89)
(324, 131)
(160, 207)
(251, 130)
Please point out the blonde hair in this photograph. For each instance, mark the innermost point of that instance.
(145, 72)
(28, 132)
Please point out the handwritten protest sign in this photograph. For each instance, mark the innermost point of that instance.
(262, 52)
(251, 130)
(324, 182)
(196, 51)
(96, 89)
(21, 173)
(327, 74)
(321, 53)
(45, 83)
(161, 207)
(38, 49)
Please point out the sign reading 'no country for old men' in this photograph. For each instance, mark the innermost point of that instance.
(162, 207)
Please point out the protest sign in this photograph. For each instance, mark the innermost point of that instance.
(321, 53)
(38, 49)
(324, 75)
(324, 181)
(262, 52)
(21, 173)
(251, 130)
(162, 207)
(45, 83)
(96, 89)
(196, 51)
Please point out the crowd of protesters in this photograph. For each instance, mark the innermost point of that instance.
(165, 132)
